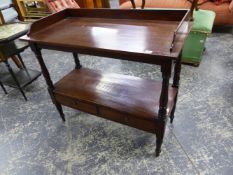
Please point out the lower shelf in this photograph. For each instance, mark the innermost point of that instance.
(121, 98)
(24, 77)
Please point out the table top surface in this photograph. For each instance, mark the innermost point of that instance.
(9, 32)
(127, 34)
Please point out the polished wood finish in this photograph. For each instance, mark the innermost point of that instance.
(134, 35)
(119, 92)
(134, 38)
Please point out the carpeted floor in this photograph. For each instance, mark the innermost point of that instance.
(34, 141)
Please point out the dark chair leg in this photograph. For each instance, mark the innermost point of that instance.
(15, 79)
(4, 89)
(17, 62)
(21, 61)
(23, 66)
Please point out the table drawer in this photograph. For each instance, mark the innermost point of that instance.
(126, 119)
(77, 104)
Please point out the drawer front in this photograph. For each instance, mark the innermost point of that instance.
(125, 119)
(77, 104)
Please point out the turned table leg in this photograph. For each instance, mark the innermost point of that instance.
(162, 117)
(48, 80)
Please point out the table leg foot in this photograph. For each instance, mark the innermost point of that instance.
(57, 104)
(172, 116)
(159, 132)
(171, 119)
(158, 147)
(22, 92)
(60, 110)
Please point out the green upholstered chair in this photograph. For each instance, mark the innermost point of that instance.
(202, 27)
(195, 43)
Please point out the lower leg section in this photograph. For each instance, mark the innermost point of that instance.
(160, 130)
(172, 118)
(172, 115)
(57, 104)
(60, 110)
(22, 92)
(159, 142)
(4, 89)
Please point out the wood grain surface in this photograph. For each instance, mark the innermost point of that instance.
(135, 96)
(113, 33)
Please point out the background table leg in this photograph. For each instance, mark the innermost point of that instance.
(15, 79)
(77, 61)
(17, 62)
(176, 82)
